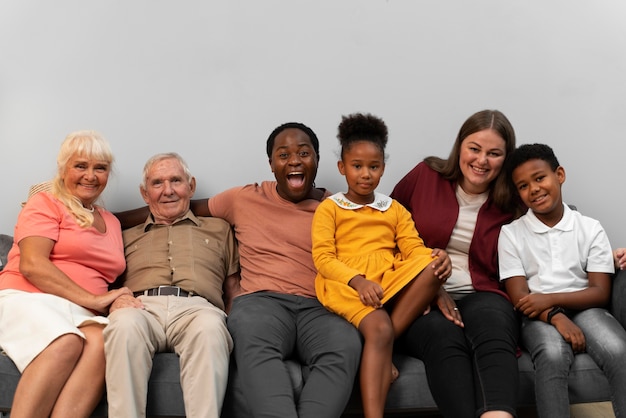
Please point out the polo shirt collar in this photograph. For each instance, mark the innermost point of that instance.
(565, 224)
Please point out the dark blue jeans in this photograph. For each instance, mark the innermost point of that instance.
(470, 370)
(268, 328)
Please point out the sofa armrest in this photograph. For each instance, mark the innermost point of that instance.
(618, 297)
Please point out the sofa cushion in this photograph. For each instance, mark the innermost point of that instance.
(404, 392)
(165, 397)
(409, 393)
(235, 404)
(9, 376)
(587, 383)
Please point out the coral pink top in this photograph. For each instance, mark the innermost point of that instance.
(90, 258)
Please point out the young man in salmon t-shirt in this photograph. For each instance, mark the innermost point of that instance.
(276, 315)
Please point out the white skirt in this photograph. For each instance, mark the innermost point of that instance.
(29, 322)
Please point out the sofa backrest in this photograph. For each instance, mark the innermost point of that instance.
(6, 242)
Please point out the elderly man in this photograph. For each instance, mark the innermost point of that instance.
(176, 267)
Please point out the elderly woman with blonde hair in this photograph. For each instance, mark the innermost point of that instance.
(54, 288)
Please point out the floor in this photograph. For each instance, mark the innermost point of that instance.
(593, 410)
(583, 410)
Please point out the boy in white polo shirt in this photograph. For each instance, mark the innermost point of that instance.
(556, 265)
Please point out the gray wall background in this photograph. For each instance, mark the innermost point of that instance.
(211, 79)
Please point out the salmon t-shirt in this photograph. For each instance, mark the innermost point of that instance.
(274, 238)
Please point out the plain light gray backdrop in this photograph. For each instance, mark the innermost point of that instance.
(211, 79)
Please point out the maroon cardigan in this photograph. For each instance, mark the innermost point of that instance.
(432, 201)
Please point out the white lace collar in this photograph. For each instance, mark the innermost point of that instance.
(381, 202)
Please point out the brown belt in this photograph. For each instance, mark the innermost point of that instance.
(165, 291)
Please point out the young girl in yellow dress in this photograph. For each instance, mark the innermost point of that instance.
(373, 268)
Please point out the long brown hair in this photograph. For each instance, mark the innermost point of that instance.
(450, 170)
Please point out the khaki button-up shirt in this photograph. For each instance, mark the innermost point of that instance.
(194, 253)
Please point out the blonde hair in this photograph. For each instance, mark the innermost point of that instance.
(87, 144)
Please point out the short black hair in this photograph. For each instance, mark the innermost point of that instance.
(362, 127)
(292, 125)
(529, 152)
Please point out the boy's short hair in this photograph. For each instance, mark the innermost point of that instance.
(529, 152)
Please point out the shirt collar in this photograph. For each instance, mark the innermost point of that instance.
(381, 202)
(187, 216)
(565, 224)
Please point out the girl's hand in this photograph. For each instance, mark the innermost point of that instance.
(370, 293)
(442, 265)
(448, 307)
(570, 332)
(620, 258)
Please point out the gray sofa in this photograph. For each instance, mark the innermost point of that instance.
(409, 394)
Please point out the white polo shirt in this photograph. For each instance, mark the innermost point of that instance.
(554, 259)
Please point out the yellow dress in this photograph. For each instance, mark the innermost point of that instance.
(378, 240)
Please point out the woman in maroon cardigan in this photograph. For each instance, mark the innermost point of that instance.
(468, 340)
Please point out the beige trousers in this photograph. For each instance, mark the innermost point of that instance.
(192, 328)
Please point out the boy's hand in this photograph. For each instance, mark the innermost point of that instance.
(370, 293)
(570, 332)
(534, 304)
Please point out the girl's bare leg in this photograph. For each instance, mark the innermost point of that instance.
(44, 378)
(85, 387)
(412, 301)
(376, 366)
